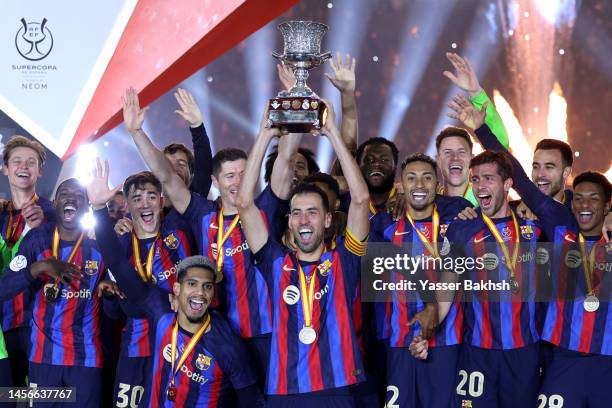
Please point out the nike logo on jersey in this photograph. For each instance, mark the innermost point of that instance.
(568, 237)
(287, 269)
(213, 226)
(398, 233)
(477, 240)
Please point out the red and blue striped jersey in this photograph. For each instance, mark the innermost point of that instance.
(17, 311)
(333, 360)
(498, 320)
(567, 324)
(172, 246)
(401, 310)
(66, 331)
(246, 292)
(216, 364)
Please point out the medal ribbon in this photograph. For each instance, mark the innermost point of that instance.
(307, 290)
(510, 262)
(371, 205)
(435, 220)
(221, 237)
(55, 250)
(10, 229)
(192, 342)
(146, 272)
(588, 262)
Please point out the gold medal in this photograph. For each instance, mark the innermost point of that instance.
(435, 223)
(510, 262)
(514, 285)
(51, 292)
(221, 238)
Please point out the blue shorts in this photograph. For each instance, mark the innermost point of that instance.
(87, 383)
(18, 348)
(333, 398)
(421, 383)
(259, 347)
(498, 378)
(6, 379)
(577, 380)
(132, 381)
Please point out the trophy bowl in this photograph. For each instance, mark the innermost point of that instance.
(299, 109)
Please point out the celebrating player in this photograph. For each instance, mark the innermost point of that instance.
(218, 231)
(23, 162)
(500, 351)
(314, 354)
(409, 381)
(65, 342)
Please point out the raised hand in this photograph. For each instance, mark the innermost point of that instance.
(56, 269)
(466, 113)
(109, 288)
(98, 191)
(343, 77)
(133, 116)
(464, 76)
(123, 226)
(33, 214)
(190, 111)
(286, 75)
(328, 128)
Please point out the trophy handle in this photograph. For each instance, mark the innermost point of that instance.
(324, 57)
(277, 55)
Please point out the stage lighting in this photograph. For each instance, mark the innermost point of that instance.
(86, 159)
(88, 221)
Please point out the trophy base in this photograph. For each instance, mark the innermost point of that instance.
(296, 114)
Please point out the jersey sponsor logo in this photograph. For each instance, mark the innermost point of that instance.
(573, 259)
(291, 295)
(161, 276)
(477, 240)
(76, 294)
(193, 376)
(527, 231)
(542, 256)
(18, 263)
(234, 250)
(490, 261)
(604, 266)
(91, 267)
(171, 241)
(203, 362)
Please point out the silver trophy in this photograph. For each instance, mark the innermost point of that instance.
(299, 109)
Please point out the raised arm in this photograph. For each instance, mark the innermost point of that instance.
(282, 172)
(465, 78)
(343, 78)
(190, 111)
(357, 221)
(138, 292)
(155, 159)
(253, 224)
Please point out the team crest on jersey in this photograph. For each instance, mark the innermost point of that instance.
(443, 228)
(324, 267)
(424, 230)
(91, 267)
(527, 231)
(466, 404)
(171, 242)
(213, 249)
(507, 232)
(203, 362)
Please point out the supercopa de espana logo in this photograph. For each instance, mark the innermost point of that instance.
(34, 40)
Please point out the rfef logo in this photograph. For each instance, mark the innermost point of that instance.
(33, 40)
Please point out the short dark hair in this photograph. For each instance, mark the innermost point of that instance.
(504, 165)
(22, 141)
(567, 155)
(179, 147)
(595, 177)
(377, 141)
(308, 154)
(420, 157)
(139, 180)
(326, 179)
(195, 261)
(307, 188)
(453, 131)
(225, 155)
